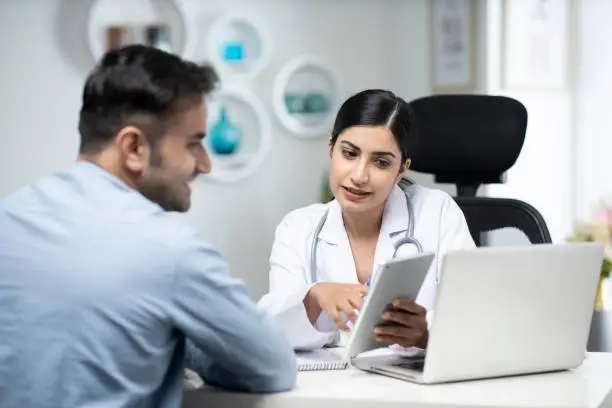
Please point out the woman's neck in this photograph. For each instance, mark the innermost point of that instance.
(364, 225)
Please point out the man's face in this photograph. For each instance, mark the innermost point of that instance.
(177, 158)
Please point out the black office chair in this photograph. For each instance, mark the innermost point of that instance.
(470, 140)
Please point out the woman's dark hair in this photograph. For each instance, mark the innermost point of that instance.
(378, 107)
(139, 86)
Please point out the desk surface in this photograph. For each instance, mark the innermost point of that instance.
(590, 385)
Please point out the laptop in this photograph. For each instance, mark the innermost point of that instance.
(503, 311)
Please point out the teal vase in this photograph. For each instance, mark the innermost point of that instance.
(225, 136)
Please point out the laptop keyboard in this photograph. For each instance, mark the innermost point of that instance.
(411, 365)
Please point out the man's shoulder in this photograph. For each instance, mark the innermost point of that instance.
(55, 183)
(77, 199)
(180, 235)
(162, 231)
(22, 195)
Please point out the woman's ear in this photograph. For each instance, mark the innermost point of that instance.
(330, 145)
(403, 170)
(407, 164)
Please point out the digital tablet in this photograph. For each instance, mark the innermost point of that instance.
(396, 278)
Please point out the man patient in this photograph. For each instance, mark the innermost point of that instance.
(99, 289)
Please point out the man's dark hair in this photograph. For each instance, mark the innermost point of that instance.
(139, 86)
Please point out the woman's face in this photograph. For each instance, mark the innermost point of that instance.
(365, 164)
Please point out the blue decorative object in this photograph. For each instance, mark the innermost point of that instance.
(295, 103)
(316, 103)
(225, 137)
(310, 102)
(233, 51)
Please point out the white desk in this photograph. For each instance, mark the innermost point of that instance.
(588, 386)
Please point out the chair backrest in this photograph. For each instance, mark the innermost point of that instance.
(470, 140)
(485, 214)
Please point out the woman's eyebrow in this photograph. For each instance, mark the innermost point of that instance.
(353, 146)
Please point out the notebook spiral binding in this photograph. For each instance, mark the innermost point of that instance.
(323, 365)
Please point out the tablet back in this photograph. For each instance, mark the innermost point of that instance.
(397, 278)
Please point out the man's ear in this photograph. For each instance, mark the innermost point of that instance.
(134, 149)
(403, 170)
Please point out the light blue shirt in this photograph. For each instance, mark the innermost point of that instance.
(99, 290)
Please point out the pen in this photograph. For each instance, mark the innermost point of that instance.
(367, 283)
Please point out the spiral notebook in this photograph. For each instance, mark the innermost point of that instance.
(320, 360)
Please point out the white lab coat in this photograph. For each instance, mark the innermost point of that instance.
(440, 226)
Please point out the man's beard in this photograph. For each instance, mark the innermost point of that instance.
(159, 186)
(162, 191)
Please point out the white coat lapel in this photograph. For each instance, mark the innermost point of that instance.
(393, 227)
(336, 261)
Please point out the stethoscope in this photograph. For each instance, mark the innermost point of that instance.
(407, 239)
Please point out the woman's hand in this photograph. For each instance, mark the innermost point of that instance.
(335, 298)
(405, 325)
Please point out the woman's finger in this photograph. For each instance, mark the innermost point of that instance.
(346, 307)
(398, 331)
(409, 306)
(356, 300)
(334, 314)
(405, 319)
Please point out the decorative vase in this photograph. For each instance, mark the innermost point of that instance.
(600, 336)
(316, 103)
(225, 136)
(295, 103)
(601, 299)
(233, 51)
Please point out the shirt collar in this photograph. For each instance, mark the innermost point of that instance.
(90, 168)
(104, 179)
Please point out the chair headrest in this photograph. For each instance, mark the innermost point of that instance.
(467, 138)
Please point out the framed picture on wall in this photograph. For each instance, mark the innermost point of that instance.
(536, 44)
(453, 33)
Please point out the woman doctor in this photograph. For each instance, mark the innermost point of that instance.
(340, 244)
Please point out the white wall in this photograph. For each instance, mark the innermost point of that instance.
(413, 69)
(592, 108)
(544, 172)
(372, 43)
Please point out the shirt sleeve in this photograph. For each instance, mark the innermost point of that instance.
(231, 342)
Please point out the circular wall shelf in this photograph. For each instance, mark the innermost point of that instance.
(238, 137)
(237, 46)
(306, 96)
(111, 24)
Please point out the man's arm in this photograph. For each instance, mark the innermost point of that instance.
(231, 343)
